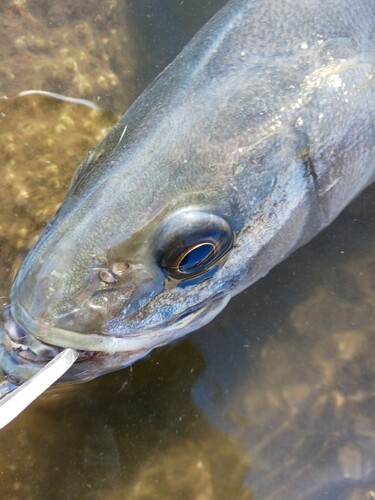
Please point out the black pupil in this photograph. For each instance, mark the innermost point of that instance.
(195, 256)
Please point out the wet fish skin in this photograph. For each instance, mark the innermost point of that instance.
(265, 119)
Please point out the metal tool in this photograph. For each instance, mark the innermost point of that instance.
(13, 403)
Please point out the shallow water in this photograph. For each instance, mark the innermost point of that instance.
(273, 399)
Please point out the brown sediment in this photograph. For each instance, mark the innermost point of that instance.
(80, 49)
(76, 48)
(42, 141)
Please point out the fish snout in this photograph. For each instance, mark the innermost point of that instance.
(47, 296)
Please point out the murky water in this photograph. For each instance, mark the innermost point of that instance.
(274, 399)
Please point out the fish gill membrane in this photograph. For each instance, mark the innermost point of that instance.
(253, 140)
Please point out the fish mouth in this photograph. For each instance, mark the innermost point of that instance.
(86, 342)
(27, 345)
(133, 343)
(22, 356)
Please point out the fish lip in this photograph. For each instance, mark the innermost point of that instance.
(91, 344)
(22, 356)
(25, 347)
(19, 341)
(87, 343)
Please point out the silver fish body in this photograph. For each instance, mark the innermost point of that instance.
(252, 141)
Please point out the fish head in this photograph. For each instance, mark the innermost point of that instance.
(127, 272)
(195, 194)
(138, 256)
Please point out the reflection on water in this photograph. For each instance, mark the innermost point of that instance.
(275, 398)
(134, 434)
(163, 28)
(295, 381)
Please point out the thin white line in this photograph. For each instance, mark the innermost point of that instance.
(123, 133)
(61, 97)
(13, 403)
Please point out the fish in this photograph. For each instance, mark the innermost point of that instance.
(247, 145)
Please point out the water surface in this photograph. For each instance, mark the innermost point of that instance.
(274, 399)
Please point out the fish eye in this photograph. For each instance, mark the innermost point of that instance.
(194, 256)
(191, 242)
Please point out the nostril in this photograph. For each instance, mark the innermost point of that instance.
(120, 268)
(107, 277)
(112, 276)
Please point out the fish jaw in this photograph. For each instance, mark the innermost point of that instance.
(22, 356)
(135, 344)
